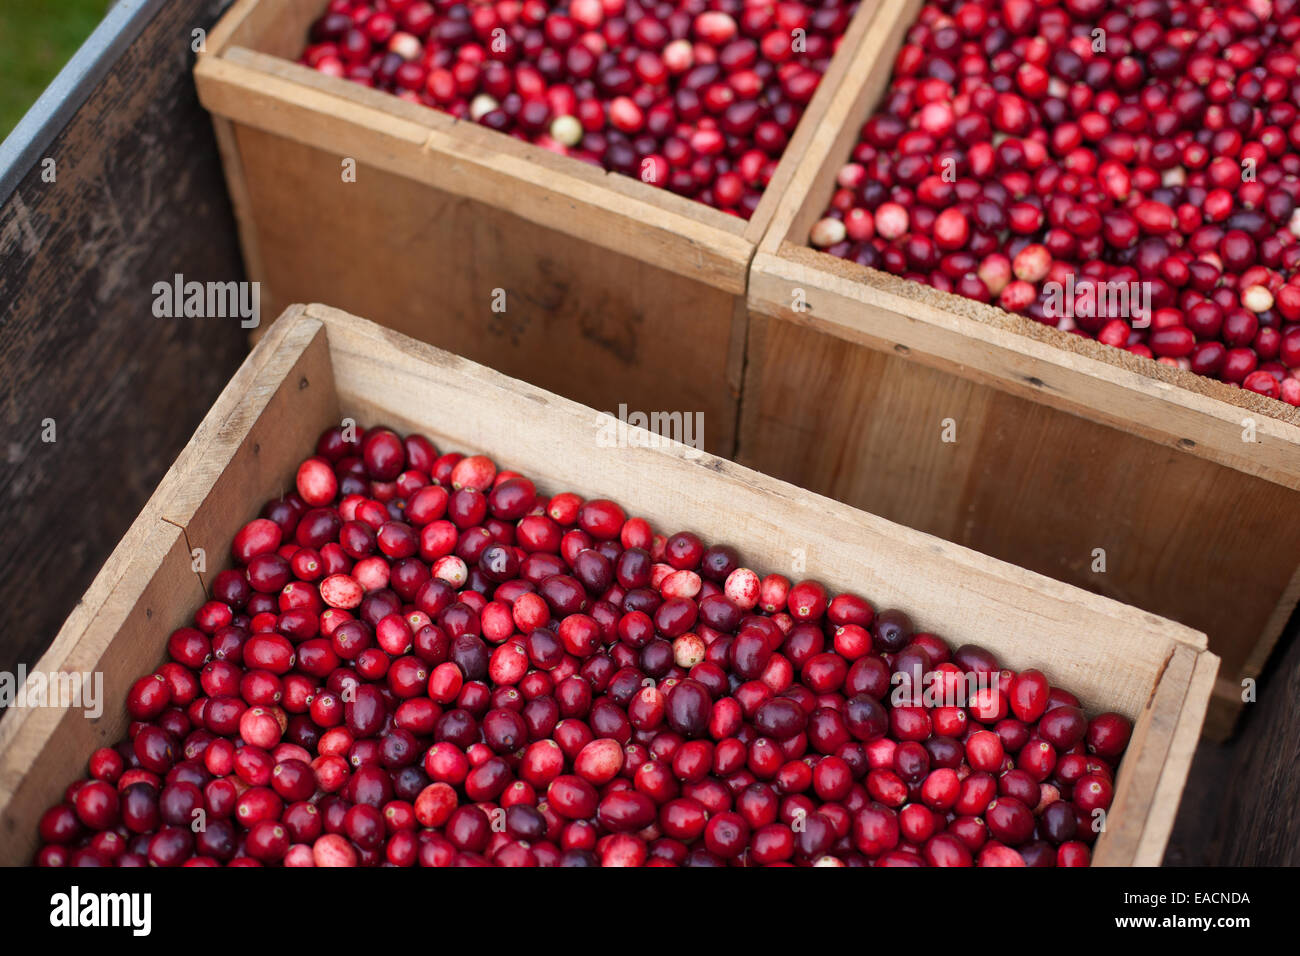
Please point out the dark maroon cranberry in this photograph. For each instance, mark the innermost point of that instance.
(504, 731)
(780, 719)
(525, 823)
(719, 613)
(1057, 822)
(594, 571)
(975, 659)
(171, 846)
(865, 718)
(719, 561)
(498, 563)
(689, 707)
(893, 630)
(564, 594)
(471, 655)
(366, 712)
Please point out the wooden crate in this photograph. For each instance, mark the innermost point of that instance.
(317, 364)
(1063, 445)
(616, 292)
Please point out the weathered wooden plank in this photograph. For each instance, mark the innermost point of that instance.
(137, 198)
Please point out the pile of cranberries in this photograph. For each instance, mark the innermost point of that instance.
(697, 96)
(1117, 142)
(418, 659)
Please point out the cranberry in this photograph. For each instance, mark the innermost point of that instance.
(688, 708)
(1009, 820)
(615, 697)
(1028, 695)
(572, 797)
(893, 630)
(1108, 735)
(1093, 792)
(1063, 727)
(1096, 174)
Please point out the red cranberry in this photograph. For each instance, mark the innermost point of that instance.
(706, 716)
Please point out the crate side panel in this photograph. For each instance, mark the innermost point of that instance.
(250, 458)
(569, 316)
(1179, 536)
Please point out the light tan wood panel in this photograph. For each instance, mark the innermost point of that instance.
(1183, 537)
(860, 426)
(278, 420)
(1138, 781)
(579, 320)
(279, 28)
(1169, 406)
(1169, 792)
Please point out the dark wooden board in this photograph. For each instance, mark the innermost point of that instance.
(1239, 808)
(138, 197)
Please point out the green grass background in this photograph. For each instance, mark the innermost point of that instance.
(37, 37)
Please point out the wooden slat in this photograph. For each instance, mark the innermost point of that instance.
(279, 28)
(866, 74)
(1177, 764)
(231, 472)
(237, 188)
(265, 93)
(597, 326)
(886, 313)
(1139, 775)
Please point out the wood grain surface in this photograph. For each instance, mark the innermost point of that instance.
(563, 313)
(1182, 536)
(138, 197)
(1238, 808)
